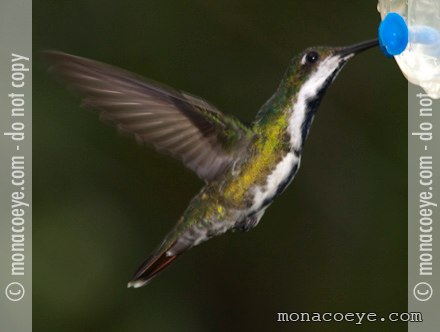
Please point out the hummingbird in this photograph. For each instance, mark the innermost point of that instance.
(244, 166)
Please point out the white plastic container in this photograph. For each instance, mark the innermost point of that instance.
(420, 61)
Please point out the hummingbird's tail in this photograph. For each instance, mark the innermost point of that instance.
(151, 267)
(182, 237)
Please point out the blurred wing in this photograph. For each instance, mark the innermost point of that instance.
(174, 122)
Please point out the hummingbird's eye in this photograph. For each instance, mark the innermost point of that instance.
(312, 57)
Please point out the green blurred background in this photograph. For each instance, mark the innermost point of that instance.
(336, 240)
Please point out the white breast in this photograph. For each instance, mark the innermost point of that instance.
(279, 175)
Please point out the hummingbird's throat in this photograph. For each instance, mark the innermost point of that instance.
(305, 103)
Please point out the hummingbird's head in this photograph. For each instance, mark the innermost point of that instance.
(306, 81)
(317, 67)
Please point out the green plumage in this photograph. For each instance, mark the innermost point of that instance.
(244, 167)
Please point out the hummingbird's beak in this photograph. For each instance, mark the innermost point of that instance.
(357, 48)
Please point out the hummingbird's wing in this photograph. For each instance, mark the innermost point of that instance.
(187, 127)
